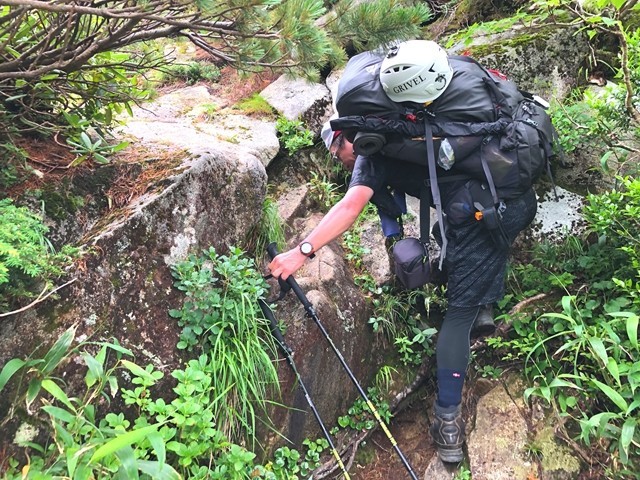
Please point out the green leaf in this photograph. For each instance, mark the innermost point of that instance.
(94, 371)
(9, 370)
(58, 351)
(57, 393)
(157, 442)
(59, 413)
(614, 370)
(599, 348)
(626, 435)
(128, 464)
(113, 385)
(604, 161)
(117, 348)
(72, 460)
(614, 396)
(138, 371)
(86, 141)
(122, 441)
(64, 435)
(559, 382)
(632, 330)
(33, 390)
(158, 471)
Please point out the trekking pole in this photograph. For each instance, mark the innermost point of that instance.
(293, 285)
(275, 331)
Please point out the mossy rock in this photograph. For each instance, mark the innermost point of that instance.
(540, 59)
(556, 460)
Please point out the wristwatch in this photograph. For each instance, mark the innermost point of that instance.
(307, 249)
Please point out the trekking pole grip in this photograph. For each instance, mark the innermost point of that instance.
(272, 250)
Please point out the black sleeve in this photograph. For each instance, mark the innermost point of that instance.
(372, 172)
(369, 172)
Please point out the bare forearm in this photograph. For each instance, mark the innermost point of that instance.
(337, 221)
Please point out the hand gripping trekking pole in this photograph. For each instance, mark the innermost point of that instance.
(293, 285)
(275, 331)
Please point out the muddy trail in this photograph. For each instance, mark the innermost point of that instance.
(378, 460)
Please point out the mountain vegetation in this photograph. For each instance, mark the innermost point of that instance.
(68, 70)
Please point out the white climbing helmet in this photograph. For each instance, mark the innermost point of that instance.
(415, 71)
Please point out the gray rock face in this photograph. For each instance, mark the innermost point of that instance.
(541, 60)
(341, 309)
(298, 99)
(212, 197)
(188, 118)
(497, 442)
(125, 286)
(512, 441)
(558, 217)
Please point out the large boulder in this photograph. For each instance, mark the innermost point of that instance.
(123, 287)
(299, 99)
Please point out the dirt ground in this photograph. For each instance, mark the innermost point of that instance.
(378, 460)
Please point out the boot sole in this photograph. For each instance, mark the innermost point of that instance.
(454, 455)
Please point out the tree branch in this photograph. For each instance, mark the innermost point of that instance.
(40, 298)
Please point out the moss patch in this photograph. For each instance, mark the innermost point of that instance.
(554, 457)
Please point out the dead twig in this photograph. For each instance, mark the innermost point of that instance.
(41, 298)
(520, 305)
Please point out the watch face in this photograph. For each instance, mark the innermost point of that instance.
(306, 248)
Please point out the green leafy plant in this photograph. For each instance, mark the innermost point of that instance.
(463, 473)
(27, 258)
(81, 444)
(322, 192)
(87, 149)
(390, 311)
(191, 73)
(270, 229)
(384, 378)
(293, 135)
(360, 417)
(221, 316)
(593, 357)
(289, 464)
(489, 371)
(413, 348)
(13, 166)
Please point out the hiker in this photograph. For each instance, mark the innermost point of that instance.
(475, 261)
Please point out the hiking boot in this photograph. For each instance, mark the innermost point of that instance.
(483, 325)
(447, 431)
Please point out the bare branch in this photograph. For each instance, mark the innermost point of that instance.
(41, 298)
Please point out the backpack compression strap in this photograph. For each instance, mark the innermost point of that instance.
(435, 189)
